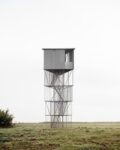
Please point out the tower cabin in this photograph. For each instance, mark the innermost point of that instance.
(58, 59)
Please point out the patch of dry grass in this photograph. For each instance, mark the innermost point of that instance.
(81, 136)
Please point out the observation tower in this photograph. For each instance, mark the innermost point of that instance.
(58, 85)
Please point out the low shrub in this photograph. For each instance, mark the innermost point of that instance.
(5, 119)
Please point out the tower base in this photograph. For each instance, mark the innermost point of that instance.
(58, 98)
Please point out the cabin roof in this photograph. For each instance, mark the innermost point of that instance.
(58, 48)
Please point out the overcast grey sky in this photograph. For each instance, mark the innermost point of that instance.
(91, 26)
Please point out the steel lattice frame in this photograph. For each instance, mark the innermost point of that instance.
(58, 97)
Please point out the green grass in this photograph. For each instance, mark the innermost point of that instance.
(81, 136)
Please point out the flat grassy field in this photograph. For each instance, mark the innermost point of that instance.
(81, 136)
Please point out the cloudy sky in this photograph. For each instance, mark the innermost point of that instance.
(92, 27)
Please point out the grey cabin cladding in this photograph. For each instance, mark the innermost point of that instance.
(59, 59)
